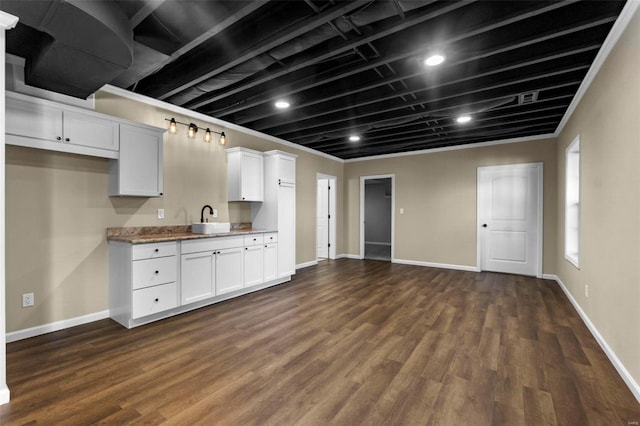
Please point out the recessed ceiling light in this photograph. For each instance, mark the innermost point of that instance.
(282, 104)
(434, 60)
(463, 119)
(354, 138)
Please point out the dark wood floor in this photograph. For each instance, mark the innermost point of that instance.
(347, 342)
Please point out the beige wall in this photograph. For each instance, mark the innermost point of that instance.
(608, 122)
(58, 210)
(438, 194)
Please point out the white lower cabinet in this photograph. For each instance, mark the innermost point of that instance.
(142, 280)
(253, 265)
(152, 281)
(270, 256)
(229, 270)
(197, 276)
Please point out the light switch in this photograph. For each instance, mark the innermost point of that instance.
(401, 211)
(160, 213)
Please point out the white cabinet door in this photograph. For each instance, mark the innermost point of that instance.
(286, 168)
(197, 276)
(229, 270)
(286, 229)
(270, 256)
(33, 120)
(253, 265)
(252, 186)
(245, 178)
(138, 171)
(87, 130)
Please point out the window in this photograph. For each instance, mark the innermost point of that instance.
(572, 204)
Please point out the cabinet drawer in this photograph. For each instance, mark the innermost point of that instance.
(253, 239)
(270, 237)
(149, 272)
(155, 299)
(207, 244)
(153, 250)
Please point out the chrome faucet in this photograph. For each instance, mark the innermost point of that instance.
(202, 212)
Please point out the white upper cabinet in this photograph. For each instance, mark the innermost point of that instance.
(38, 123)
(245, 175)
(138, 171)
(90, 131)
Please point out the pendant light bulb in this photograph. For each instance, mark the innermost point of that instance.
(193, 129)
(173, 126)
(207, 135)
(223, 139)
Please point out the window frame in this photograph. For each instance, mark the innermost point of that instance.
(572, 204)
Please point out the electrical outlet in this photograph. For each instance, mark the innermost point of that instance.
(215, 213)
(28, 300)
(160, 213)
(586, 290)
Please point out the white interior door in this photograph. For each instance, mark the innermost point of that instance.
(510, 218)
(322, 233)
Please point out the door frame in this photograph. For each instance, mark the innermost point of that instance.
(332, 213)
(363, 180)
(539, 166)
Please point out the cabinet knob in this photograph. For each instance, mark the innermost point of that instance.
(243, 198)
(59, 138)
(157, 272)
(255, 239)
(67, 139)
(157, 300)
(246, 248)
(157, 250)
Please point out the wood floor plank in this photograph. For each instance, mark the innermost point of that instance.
(346, 342)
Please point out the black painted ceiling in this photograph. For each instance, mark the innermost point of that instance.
(356, 67)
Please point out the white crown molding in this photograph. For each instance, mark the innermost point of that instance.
(199, 116)
(617, 29)
(454, 148)
(7, 20)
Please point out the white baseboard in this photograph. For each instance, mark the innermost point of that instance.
(55, 326)
(306, 264)
(349, 256)
(4, 395)
(628, 379)
(437, 265)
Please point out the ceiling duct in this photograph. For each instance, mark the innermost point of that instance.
(105, 47)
